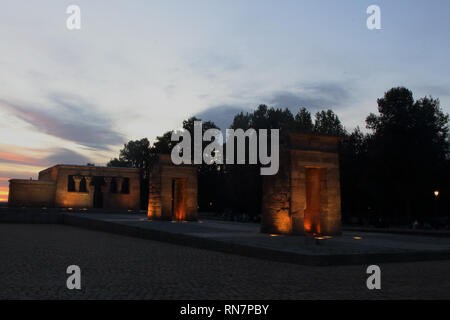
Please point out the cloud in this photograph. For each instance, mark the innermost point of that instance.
(71, 119)
(221, 115)
(64, 156)
(12, 157)
(57, 156)
(434, 90)
(212, 63)
(315, 97)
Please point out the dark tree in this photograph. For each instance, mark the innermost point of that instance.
(163, 144)
(210, 179)
(209, 184)
(136, 154)
(408, 154)
(355, 184)
(392, 171)
(328, 123)
(303, 121)
(242, 121)
(244, 182)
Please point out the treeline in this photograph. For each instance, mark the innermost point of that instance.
(390, 172)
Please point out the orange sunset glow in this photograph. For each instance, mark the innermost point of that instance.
(4, 193)
(15, 157)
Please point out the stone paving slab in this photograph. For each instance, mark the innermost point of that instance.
(245, 239)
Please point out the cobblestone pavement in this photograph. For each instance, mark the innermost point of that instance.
(34, 259)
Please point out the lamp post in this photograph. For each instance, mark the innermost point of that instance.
(436, 195)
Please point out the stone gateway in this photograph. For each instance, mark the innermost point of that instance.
(173, 191)
(304, 197)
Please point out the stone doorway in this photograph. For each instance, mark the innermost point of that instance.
(179, 199)
(97, 183)
(304, 196)
(313, 179)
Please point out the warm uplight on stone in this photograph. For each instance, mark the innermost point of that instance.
(173, 191)
(304, 197)
(78, 187)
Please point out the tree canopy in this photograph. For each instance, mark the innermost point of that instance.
(389, 171)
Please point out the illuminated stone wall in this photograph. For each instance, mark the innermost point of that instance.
(31, 193)
(52, 188)
(79, 199)
(172, 191)
(276, 214)
(285, 202)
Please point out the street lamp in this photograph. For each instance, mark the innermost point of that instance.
(436, 195)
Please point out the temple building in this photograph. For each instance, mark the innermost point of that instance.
(304, 197)
(173, 189)
(72, 186)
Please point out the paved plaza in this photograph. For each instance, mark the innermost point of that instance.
(246, 239)
(35, 258)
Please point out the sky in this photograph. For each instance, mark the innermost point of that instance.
(139, 68)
